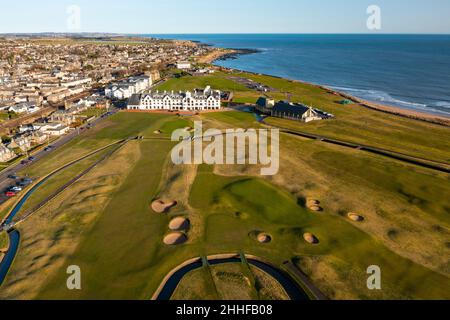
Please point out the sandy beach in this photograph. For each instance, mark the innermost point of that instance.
(412, 114)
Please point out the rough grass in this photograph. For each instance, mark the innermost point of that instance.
(51, 235)
(229, 281)
(196, 285)
(4, 240)
(267, 287)
(59, 180)
(235, 208)
(127, 231)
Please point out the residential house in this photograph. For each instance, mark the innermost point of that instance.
(56, 129)
(6, 154)
(21, 142)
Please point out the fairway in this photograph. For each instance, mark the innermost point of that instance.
(104, 223)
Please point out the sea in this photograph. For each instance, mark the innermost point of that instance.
(407, 71)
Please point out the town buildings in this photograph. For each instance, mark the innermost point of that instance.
(184, 65)
(42, 73)
(59, 78)
(198, 100)
(126, 88)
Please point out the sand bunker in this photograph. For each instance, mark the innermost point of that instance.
(175, 238)
(310, 238)
(179, 224)
(157, 132)
(312, 202)
(189, 129)
(264, 238)
(315, 208)
(313, 205)
(160, 206)
(355, 217)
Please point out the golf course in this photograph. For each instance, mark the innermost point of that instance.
(331, 211)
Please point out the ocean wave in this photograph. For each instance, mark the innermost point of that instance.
(384, 97)
(442, 104)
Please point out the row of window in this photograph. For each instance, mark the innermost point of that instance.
(175, 108)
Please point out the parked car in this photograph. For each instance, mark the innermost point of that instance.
(10, 194)
(31, 158)
(13, 177)
(23, 162)
(16, 189)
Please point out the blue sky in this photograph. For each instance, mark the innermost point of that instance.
(226, 16)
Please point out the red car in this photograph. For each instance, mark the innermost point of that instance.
(10, 194)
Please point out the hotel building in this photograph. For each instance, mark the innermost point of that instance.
(198, 100)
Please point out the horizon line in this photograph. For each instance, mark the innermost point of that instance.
(220, 33)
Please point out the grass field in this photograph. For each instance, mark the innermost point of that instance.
(3, 240)
(93, 112)
(230, 281)
(104, 222)
(353, 123)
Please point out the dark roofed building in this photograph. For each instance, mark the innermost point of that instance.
(287, 110)
(134, 102)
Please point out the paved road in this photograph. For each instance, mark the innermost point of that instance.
(5, 182)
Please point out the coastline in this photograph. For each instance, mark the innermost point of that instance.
(402, 112)
(224, 54)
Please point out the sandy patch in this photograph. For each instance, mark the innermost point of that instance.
(264, 238)
(160, 206)
(175, 238)
(179, 224)
(310, 238)
(355, 217)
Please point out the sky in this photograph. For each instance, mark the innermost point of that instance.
(222, 16)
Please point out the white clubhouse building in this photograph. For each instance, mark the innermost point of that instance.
(198, 100)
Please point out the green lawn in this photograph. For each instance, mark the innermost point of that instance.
(217, 81)
(236, 207)
(93, 112)
(176, 123)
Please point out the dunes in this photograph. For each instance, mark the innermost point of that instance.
(175, 238)
(160, 206)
